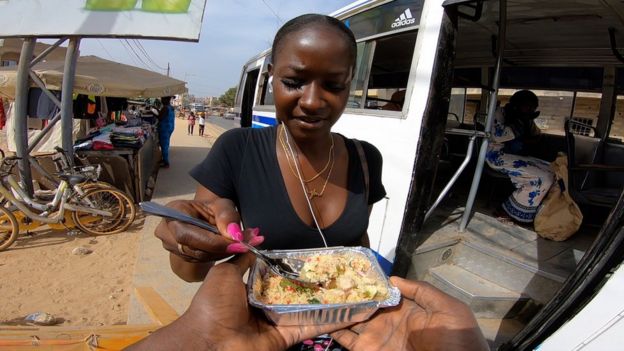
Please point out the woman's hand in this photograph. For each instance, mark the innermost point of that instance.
(426, 319)
(219, 318)
(197, 245)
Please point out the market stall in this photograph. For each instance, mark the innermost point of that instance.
(105, 131)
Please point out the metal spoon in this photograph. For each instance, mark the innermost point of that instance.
(288, 268)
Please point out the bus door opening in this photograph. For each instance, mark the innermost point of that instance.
(248, 97)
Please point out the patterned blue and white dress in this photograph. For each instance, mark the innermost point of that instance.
(531, 176)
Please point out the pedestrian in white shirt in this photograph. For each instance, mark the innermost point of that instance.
(202, 123)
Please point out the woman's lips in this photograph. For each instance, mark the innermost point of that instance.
(310, 119)
(309, 122)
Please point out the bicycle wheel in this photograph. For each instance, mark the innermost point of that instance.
(86, 186)
(119, 204)
(9, 228)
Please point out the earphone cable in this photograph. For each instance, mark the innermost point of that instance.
(305, 192)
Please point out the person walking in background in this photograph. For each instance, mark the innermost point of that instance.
(202, 124)
(191, 123)
(166, 124)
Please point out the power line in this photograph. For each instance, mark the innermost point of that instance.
(105, 50)
(134, 60)
(273, 11)
(149, 58)
(137, 55)
(144, 53)
(145, 64)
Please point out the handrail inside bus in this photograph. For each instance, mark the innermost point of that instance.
(613, 43)
(502, 35)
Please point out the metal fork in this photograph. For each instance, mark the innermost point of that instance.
(288, 268)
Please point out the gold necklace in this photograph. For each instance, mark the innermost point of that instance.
(312, 193)
(292, 170)
(290, 154)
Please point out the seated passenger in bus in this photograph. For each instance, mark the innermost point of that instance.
(396, 101)
(513, 128)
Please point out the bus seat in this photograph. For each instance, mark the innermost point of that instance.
(587, 170)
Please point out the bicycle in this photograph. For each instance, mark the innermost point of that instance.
(96, 210)
(92, 173)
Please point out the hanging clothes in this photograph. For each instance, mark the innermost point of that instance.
(531, 176)
(40, 105)
(86, 107)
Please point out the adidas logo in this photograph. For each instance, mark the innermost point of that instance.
(404, 20)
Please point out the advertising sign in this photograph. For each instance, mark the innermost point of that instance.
(157, 19)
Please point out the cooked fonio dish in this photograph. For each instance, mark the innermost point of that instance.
(341, 278)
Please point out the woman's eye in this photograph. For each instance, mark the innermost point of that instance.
(337, 87)
(292, 84)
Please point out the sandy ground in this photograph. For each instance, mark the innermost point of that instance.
(40, 273)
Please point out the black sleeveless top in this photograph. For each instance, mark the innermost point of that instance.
(242, 166)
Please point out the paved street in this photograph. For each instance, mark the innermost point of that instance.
(224, 122)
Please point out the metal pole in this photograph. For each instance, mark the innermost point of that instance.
(43, 132)
(21, 110)
(502, 33)
(459, 171)
(45, 52)
(607, 103)
(67, 89)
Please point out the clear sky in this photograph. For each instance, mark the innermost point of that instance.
(232, 32)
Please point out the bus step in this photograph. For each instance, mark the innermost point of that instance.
(485, 298)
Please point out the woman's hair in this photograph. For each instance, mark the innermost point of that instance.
(304, 21)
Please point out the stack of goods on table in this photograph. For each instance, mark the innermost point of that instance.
(132, 137)
(113, 136)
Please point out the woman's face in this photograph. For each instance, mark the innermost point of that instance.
(311, 79)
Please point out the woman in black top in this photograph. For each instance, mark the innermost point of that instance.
(288, 180)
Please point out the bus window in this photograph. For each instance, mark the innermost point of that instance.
(587, 109)
(554, 106)
(464, 108)
(266, 97)
(239, 93)
(267, 91)
(389, 71)
(473, 111)
(359, 78)
(457, 107)
(617, 128)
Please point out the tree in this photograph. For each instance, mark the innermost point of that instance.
(228, 97)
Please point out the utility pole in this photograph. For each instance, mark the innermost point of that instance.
(167, 69)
